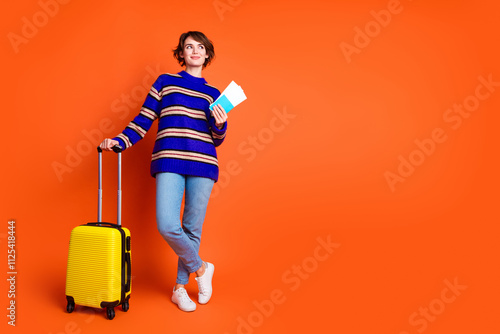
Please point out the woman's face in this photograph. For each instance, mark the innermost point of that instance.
(194, 53)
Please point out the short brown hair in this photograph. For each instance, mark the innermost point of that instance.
(199, 37)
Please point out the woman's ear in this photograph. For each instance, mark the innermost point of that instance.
(181, 54)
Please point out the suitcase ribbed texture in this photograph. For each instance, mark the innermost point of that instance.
(94, 265)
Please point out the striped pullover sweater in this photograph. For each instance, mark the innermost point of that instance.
(187, 135)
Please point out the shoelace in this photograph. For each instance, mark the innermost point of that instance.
(183, 295)
(201, 286)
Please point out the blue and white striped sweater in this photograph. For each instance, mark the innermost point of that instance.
(187, 135)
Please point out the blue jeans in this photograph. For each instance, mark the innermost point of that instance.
(184, 239)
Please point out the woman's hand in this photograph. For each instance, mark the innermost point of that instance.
(220, 116)
(107, 144)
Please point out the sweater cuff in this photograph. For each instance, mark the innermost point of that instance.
(220, 131)
(121, 143)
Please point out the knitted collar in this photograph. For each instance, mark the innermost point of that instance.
(194, 79)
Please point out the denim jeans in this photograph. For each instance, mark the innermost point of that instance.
(183, 239)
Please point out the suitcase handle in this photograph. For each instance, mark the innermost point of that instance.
(103, 224)
(129, 271)
(118, 149)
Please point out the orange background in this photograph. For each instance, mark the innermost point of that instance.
(319, 174)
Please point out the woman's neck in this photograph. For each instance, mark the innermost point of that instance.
(194, 71)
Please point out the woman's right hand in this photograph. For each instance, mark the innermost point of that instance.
(107, 144)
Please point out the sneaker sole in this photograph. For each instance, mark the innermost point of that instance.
(182, 309)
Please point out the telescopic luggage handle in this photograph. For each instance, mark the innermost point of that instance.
(118, 149)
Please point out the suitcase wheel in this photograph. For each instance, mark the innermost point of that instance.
(110, 312)
(125, 306)
(70, 307)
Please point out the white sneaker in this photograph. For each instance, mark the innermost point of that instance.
(181, 298)
(205, 284)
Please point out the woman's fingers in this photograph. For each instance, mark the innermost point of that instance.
(221, 109)
(219, 115)
(107, 144)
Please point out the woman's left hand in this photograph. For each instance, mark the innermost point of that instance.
(220, 116)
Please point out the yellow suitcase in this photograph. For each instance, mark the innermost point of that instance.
(99, 261)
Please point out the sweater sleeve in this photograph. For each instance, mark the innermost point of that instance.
(218, 135)
(140, 125)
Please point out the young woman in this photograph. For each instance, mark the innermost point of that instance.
(184, 158)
